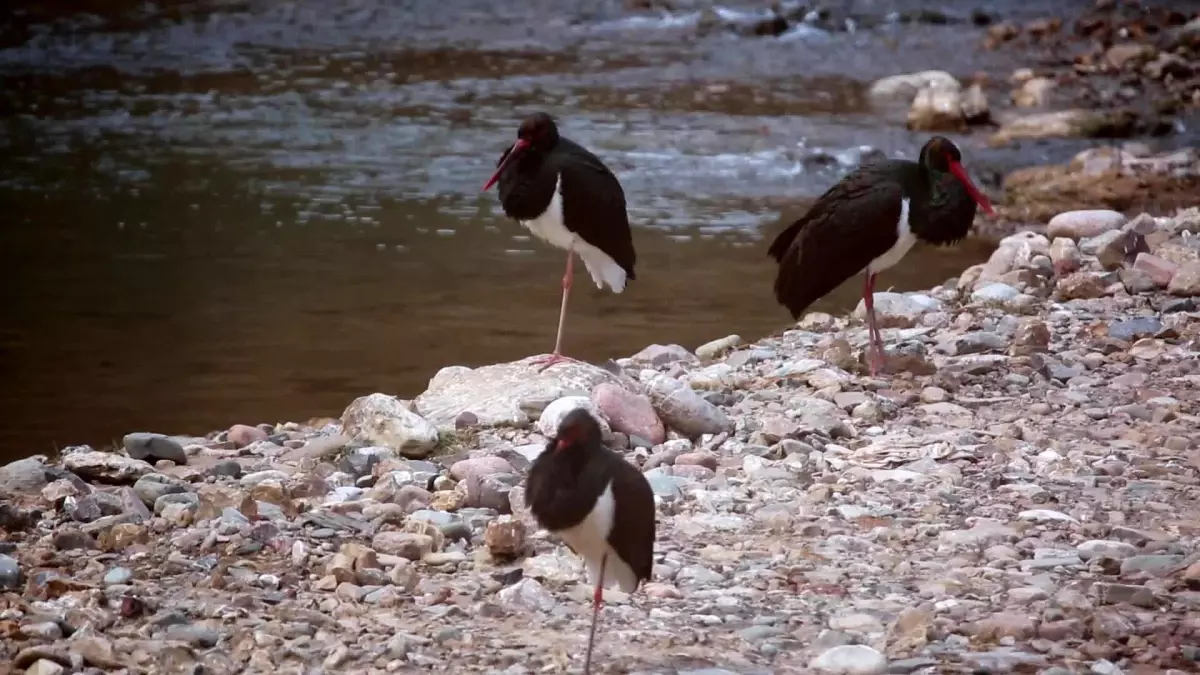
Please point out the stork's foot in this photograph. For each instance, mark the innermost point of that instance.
(876, 361)
(546, 360)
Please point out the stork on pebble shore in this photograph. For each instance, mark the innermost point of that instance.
(868, 221)
(566, 196)
(599, 504)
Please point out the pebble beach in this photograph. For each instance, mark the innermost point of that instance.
(1020, 492)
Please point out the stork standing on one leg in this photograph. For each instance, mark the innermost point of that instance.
(599, 504)
(868, 221)
(566, 196)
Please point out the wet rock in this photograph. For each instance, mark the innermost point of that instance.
(1039, 193)
(387, 421)
(905, 87)
(1066, 124)
(554, 413)
(105, 467)
(937, 109)
(628, 412)
(507, 394)
(975, 108)
(684, 410)
(1129, 54)
(153, 447)
(1078, 225)
(1033, 92)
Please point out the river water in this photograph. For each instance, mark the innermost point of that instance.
(233, 211)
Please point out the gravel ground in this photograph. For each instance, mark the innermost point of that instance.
(1017, 494)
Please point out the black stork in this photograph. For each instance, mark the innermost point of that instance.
(868, 221)
(567, 197)
(599, 504)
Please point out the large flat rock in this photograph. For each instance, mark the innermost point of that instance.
(505, 394)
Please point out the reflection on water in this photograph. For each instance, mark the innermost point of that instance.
(220, 212)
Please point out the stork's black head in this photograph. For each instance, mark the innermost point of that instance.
(576, 431)
(538, 134)
(940, 155)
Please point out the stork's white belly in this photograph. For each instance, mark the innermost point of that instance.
(589, 539)
(549, 227)
(902, 246)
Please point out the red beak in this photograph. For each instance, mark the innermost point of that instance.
(514, 152)
(961, 175)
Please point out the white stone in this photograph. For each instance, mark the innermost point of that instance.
(1046, 515)
(1084, 224)
(685, 411)
(711, 350)
(386, 420)
(504, 394)
(898, 310)
(995, 293)
(799, 367)
(904, 87)
(1105, 548)
(850, 660)
(527, 594)
(554, 413)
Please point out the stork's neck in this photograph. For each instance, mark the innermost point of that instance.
(939, 187)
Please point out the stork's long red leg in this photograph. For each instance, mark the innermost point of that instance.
(597, 598)
(875, 349)
(548, 360)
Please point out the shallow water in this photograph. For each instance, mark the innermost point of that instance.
(226, 211)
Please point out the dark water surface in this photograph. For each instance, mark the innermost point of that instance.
(219, 212)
